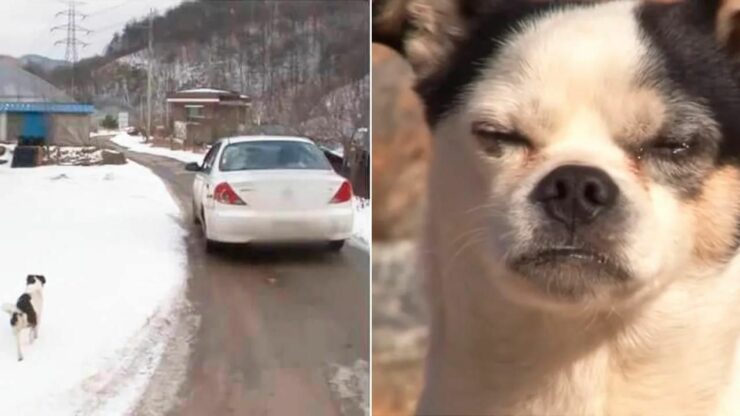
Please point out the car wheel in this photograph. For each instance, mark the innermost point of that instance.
(211, 246)
(203, 222)
(196, 219)
(336, 245)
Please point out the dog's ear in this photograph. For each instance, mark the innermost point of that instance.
(720, 16)
(727, 23)
(42, 278)
(434, 27)
(390, 23)
(424, 31)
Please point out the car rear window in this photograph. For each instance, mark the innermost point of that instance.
(274, 154)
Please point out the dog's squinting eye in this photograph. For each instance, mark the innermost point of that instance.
(669, 148)
(493, 140)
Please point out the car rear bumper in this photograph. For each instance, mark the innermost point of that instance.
(244, 225)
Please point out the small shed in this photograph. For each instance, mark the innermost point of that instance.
(204, 115)
(34, 111)
(61, 124)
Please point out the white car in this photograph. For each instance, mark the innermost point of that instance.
(270, 189)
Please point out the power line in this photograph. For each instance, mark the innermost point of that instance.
(40, 34)
(108, 9)
(114, 7)
(72, 40)
(121, 24)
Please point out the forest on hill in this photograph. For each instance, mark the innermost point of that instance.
(304, 63)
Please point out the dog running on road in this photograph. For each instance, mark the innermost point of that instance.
(26, 313)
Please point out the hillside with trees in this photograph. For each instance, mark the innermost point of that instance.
(304, 63)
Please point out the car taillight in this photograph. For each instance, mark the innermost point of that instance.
(344, 193)
(225, 194)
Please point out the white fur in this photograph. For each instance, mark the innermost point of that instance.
(10, 308)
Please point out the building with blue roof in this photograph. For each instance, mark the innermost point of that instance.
(34, 111)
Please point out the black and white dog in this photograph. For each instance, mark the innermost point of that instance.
(26, 313)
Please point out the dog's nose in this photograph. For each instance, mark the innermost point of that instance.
(576, 194)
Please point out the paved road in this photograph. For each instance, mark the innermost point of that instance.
(277, 331)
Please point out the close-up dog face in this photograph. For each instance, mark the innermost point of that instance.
(603, 139)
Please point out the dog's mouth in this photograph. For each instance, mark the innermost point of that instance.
(570, 271)
(576, 258)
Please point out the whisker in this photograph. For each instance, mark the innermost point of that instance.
(474, 238)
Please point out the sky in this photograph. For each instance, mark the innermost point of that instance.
(25, 24)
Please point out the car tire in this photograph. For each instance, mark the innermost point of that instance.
(203, 223)
(213, 247)
(336, 245)
(196, 218)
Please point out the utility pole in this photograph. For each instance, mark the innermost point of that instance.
(149, 77)
(72, 39)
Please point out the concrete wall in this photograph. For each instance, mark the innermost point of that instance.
(62, 129)
(3, 127)
(70, 130)
(218, 121)
(14, 126)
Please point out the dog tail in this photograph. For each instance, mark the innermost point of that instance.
(9, 308)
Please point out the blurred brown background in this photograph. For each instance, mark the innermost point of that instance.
(401, 147)
(401, 151)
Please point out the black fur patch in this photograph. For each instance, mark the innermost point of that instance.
(24, 305)
(683, 36)
(31, 279)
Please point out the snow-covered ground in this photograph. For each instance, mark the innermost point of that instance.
(352, 384)
(137, 144)
(363, 221)
(108, 241)
(103, 133)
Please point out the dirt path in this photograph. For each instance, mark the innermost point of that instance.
(270, 332)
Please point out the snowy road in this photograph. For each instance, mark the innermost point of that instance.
(274, 332)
